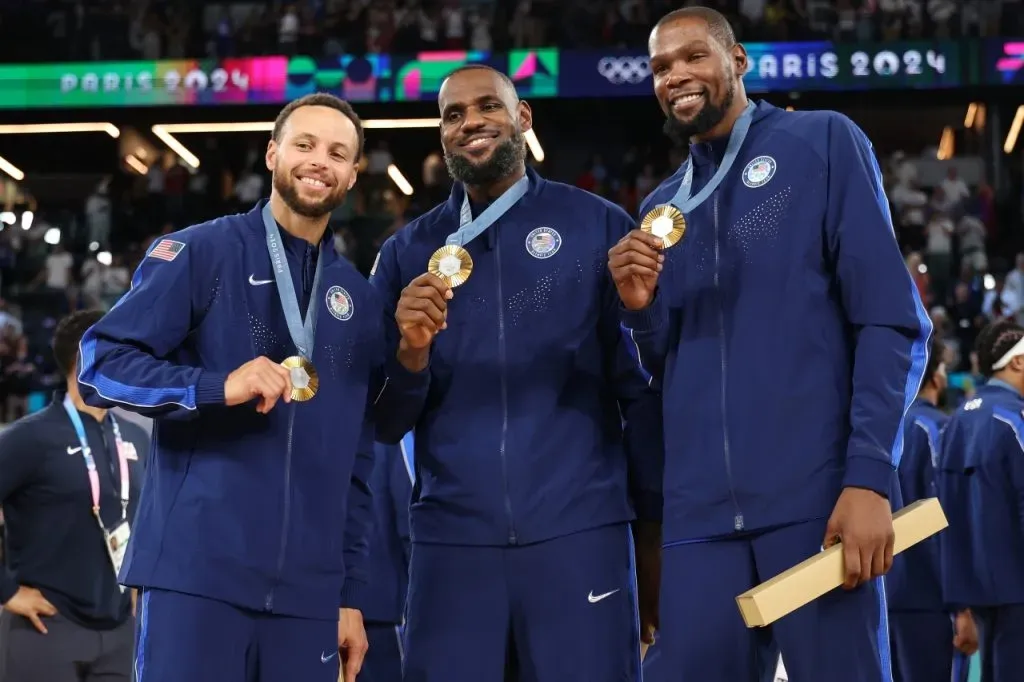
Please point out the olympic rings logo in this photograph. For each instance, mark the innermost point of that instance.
(620, 70)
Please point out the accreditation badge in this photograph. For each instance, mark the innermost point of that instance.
(117, 543)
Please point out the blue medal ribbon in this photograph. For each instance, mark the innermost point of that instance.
(682, 199)
(302, 331)
(470, 229)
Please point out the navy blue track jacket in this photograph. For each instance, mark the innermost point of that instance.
(520, 436)
(913, 583)
(981, 488)
(391, 544)
(786, 334)
(268, 512)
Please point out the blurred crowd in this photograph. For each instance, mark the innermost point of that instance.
(61, 30)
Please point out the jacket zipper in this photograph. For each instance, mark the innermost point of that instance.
(504, 396)
(269, 603)
(737, 520)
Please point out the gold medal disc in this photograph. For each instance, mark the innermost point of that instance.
(452, 264)
(665, 221)
(305, 381)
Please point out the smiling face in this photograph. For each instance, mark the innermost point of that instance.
(482, 126)
(314, 160)
(695, 76)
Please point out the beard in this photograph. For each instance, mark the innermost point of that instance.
(707, 118)
(503, 162)
(287, 187)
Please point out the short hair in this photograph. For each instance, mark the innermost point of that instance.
(484, 67)
(68, 335)
(994, 342)
(718, 26)
(935, 358)
(319, 99)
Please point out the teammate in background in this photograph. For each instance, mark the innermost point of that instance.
(64, 617)
(521, 460)
(390, 550)
(981, 488)
(257, 348)
(928, 643)
(787, 339)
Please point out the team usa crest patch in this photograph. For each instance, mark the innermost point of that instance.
(543, 242)
(167, 250)
(758, 172)
(340, 303)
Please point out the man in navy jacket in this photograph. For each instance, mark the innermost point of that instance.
(521, 509)
(788, 340)
(929, 643)
(390, 551)
(981, 488)
(253, 523)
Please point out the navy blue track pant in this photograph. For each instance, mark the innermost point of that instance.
(1001, 635)
(922, 648)
(570, 604)
(183, 637)
(841, 637)
(383, 662)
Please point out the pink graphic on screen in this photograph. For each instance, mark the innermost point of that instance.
(1013, 60)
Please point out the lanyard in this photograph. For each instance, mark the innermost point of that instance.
(302, 331)
(470, 229)
(682, 199)
(90, 462)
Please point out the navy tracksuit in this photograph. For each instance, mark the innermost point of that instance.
(521, 510)
(252, 529)
(981, 487)
(390, 550)
(921, 628)
(788, 340)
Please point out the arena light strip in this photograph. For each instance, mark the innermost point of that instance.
(7, 167)
(396, 177)
(1014, 132)
(972, 114)
(53, 128)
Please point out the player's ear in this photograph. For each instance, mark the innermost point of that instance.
(739, 59)
(271, 156)
(525, 116)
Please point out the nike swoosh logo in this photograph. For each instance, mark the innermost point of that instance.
(593, 599)
(257, 282)
(72, 450)
(324, 657)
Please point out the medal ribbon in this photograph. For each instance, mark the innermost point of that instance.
(470, 229)
(90, 462)
(302, 331)
(682, 199)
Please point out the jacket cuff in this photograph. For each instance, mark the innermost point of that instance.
(871, 473)
(8, 585)
(403, 380)
(354, 594)
(647, 319)
(210, 388)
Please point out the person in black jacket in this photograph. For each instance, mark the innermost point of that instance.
(69, 484)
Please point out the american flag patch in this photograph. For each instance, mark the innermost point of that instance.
(167, 249)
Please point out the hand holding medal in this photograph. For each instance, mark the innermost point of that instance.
(422, 310)
(635, 263)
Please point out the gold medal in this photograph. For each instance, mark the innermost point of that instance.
(666, 222)
(452, 264)
(304, 378)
